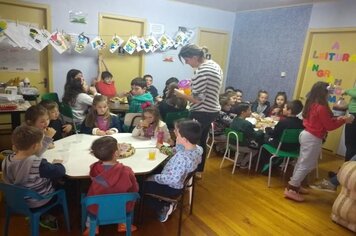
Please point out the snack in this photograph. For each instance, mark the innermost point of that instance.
(126, 150)
(119, 100)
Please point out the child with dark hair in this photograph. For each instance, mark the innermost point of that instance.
(139, 95)
(105, 83)
(277, 108)
(110, 176)
(171, 103)
(185, 160)
(168, 82)
(150, 88)
(261, 106)
(55, 120)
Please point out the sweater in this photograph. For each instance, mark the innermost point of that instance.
(136, 102)
(80, 107)
(153, 91)
(161, 127)
(319, 121)
(115, 125)
(249, 134)
(105, 89)
(262, 110)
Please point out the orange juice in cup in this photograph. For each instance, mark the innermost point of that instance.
(152, 154)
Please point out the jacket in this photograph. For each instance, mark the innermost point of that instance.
(138, 100)
(115, 125)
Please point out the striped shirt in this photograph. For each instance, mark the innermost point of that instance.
(206, 85)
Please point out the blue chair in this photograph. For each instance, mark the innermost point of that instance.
(15, 203)
(111, 210)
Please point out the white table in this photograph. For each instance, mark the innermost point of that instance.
(74, 150)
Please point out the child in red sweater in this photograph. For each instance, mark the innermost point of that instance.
(318, 120)
(105, 83)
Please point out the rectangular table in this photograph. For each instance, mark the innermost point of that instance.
(16, 114)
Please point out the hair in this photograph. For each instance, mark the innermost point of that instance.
(296, 106)
(156, 116)
(106, 74)
(49, 104)
(104, 148)
(172, 99)
(147, 76)
(90, 120)
(239, 108)
(191, 50)
(168, 82)
(230, 89)
(33, 113)
(283, 94)
(239, 91)
(318, 94)
(224, 100)
(24, 136)
(72, 88)
(189, 129)
(138, 81)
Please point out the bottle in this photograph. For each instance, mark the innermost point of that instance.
(185, 85)
(340, 107)
(160, 136)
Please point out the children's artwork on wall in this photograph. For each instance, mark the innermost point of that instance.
(82, 43)
(188, 32)
(115, 43)
(98, 43)
(165, 42)
(121, 51)
(59, 42)
(131, 45)
(180, 39)
(38, 38)
(18, 34)
(78, 17)
(168, 58)
(140, 45)
(3, 26)
(153, 43)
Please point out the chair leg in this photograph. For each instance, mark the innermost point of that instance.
(7, 222)
(35, 224)
(286, 165)
(180, 215)
(192, 196)
(210, 148)
(92, 227)
(258, 159)
(190, 190)
(227, 152)
(65, 210)
(270, 171)
(128, 226)
(235, 161)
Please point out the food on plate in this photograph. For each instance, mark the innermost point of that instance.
(119, 100)
(126, 150)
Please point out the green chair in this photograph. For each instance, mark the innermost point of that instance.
(171, 117)
(67, 113)
(232, 144)
(289, 136)
(51, 97)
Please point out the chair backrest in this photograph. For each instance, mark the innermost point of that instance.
(51, 97)
(290, 136)
(111, 207)
(67, 113)
(234, 135)
(131, 120)
(171, 117)
(15, 197)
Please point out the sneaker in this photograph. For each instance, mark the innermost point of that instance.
(293, 195)
(324, 185)
(86, 231)
(303, 190)
(122, 228)
(49, 222)
(166, 211)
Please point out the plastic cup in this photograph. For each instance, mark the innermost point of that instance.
(152, 154)
(78, 138)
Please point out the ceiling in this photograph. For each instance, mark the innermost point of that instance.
(248, 5)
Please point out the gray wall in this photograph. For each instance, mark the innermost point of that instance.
(266, 43)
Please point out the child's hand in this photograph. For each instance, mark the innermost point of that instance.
(158, 145)
(49, 132)
(51, 146)
(67, 128)
(110, 132)
(150, 178)
(55, 161)
(92, 90)
(349, 119)
(144, 123)
(275, 110)
(100, 132)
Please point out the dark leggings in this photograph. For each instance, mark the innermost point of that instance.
(205, 119)
(350, 137)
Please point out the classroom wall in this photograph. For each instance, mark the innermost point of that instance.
(169, 13)
(266, 43)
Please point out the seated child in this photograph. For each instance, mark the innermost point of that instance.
(110, 176)
(150, 88)
(139, 95)
(171, 103)
(26, 168)
(260, 107)
(37, 116)
(99, 120)
(55, 120)
(104, 83)
(277, 108)
(151, 124)
(185, 160)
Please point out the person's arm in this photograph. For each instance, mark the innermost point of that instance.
(351, 92)
(172, 172)
(189, 98)
(85, 99)
(85, 129)
(115, 125)
(328, 122)
(51, 171)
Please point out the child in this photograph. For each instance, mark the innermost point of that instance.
(109, 176)
(171, 103)
(318, 119)
(186, 159)
(37, 116)
(277, 108)
(139, 95)
(26, 168)
(104, 83)
(350, 129)
(100, 121)
(151, 124)
(55, 120)
(150, 88)
(260, 107)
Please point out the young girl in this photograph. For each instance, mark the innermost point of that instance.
(37, 116)
(318, 119)
(260, 107)
(279, 101)
(151, 124)
(99, 121)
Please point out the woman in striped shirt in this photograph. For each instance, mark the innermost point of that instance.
(206, 84)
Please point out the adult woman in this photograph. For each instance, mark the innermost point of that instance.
(172, 103)
(76, 95)
(206, 84)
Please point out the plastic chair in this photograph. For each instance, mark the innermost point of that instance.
(289, 136)
(232, 143)
(67, 113)
(15, 203)
(131, 120)
(189, 184)
(51, 97)
(111, 210)
(171, 117)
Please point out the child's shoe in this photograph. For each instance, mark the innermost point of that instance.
(122, 228)
(86, 231)
(293, 195)
(49, 222)
(324, 185)
(166, 211)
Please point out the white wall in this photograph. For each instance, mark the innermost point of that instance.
(169, 13)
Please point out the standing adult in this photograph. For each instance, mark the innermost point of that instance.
(205, 85)
(350, 129)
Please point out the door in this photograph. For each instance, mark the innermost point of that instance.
(37, 15)
(123, 66)
(330, 56)
(217, 43)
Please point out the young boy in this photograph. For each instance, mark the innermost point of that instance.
(55, 120)
(150, 88)
(110, 176)
(186, 159)
(25, 168)
(139, 95)
(104, 83)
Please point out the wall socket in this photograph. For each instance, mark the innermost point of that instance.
(283, 74)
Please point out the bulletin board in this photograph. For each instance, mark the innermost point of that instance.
(329, 55)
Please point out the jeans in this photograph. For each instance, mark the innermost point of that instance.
(350, 137)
